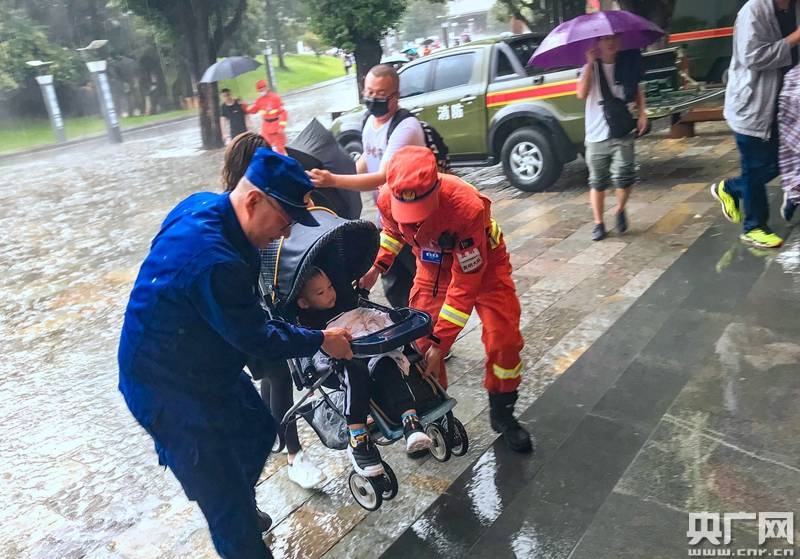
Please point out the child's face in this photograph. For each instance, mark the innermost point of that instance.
(318, 294)
(608, 46)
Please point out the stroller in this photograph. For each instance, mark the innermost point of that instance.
(346, 250)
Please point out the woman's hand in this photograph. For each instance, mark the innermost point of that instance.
(369, 279)
(321, 177)
(337, 343)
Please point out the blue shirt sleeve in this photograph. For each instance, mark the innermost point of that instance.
(226, 299)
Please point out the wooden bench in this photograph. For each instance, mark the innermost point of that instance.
(683, 123)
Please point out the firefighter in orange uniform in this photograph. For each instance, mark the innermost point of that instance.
(462, 262)
(273, 116)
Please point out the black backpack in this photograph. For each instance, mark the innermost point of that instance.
(433, 140)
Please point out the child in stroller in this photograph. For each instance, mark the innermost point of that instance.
(345, 250)
(380, 377)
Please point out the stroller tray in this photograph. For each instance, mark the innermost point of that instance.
(410, 325)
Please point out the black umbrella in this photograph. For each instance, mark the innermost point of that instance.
(316, 148)
(229, 68)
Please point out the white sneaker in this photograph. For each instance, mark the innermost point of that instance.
(304, 472)
(418, 441)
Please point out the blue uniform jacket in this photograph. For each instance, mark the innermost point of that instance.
(193, 320)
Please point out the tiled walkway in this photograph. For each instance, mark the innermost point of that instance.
(687, 404)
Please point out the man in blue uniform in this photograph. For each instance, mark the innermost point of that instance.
(192, 321)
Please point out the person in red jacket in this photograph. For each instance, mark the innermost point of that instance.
(273, 116)
(462, 263)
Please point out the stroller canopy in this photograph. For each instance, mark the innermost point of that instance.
(316, 148)
(344, 249)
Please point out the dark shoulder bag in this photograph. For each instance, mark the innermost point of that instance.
(619, 118)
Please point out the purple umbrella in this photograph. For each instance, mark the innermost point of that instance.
(566, 45)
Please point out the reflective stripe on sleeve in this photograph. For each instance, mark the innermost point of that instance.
(495, 235)
(390, 243)
(504, 374)
(454, 315)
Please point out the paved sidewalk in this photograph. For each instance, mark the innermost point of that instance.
(81, 477)
(687, 404)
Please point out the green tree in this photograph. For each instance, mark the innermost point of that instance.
(22, 39)
(421, 18)
(314, 42)
(203, 26)
(357, 25)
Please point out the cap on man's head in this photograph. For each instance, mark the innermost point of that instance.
(285, 180)
(261, 84)
(413, 179)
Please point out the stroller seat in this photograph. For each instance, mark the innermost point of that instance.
(346, 250)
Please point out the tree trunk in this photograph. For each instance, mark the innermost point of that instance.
(201, 55)
(279, 52)
(275, 31)
(368, 54)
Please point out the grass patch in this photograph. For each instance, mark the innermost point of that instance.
(28, 133)
(302, 70)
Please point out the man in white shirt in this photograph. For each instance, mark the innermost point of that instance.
(611, 161)
(382, 99)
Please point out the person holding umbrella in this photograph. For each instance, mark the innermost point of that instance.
(610, 155)
(231, 116)
(607, 44)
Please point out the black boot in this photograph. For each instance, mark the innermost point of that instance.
(264, 520)
(501, 413)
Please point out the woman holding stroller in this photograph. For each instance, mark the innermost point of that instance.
(276, 382)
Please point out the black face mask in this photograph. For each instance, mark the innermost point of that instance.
(377, 107)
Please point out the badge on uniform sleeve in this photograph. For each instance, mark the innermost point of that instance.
(431, 256)
(469, 260)
(466, 243)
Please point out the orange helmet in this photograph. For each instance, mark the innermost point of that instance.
(413, 180)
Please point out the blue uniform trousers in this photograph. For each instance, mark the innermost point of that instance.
(219, 470)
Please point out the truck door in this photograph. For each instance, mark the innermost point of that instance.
(456, 104)
(414, 85)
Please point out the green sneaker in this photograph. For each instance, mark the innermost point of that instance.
(730, 205)
(761, 238)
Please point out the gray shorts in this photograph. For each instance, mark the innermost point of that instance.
(611, 162)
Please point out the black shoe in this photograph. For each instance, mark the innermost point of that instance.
(365, 456)
(501, 414)
(599, 232)
(416, 439)
(264, 521)
(622, 222)
(788, 207)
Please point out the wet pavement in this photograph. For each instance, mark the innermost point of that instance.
(686, 404)
(80, 478)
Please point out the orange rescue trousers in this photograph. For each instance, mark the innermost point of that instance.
(498, 308)
(276, 140)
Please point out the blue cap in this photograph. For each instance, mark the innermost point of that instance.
(284, 179)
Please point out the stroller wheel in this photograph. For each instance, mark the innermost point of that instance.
(440, 449)
(389, 480)
(364, 491)
(461, 440)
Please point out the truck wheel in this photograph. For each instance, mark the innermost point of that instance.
(529, 161)
(354, 148)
